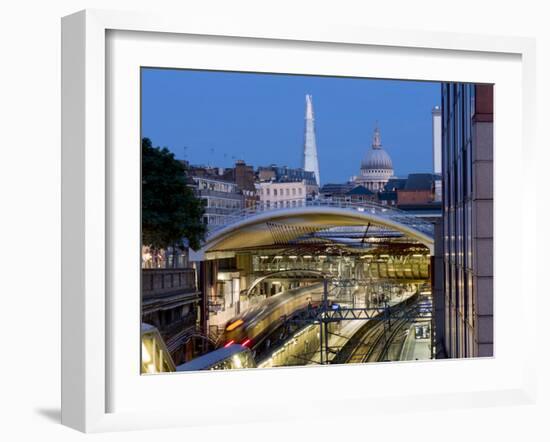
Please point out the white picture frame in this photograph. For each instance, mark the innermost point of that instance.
(87, 210)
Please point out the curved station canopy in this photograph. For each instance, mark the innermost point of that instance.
(345, 226)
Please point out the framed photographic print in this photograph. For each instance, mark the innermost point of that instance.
(253, 212)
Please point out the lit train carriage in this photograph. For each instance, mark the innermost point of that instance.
(226, 358)
(253, 324)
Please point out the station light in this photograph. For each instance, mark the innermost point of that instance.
(237, 362)
(225, 276)
(293, 257)
(307, 256)
(145, 355)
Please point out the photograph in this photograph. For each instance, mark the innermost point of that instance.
(307, 220)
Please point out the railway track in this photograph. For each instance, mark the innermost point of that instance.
(377, 339)
(380, 350)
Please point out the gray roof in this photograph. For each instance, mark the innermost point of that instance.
(395, 184)
(419, 181)
(360, 190)
(336, 188)
(209, 359)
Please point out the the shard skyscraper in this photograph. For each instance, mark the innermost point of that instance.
(311, 162)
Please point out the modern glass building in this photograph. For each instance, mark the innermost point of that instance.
(467, 172)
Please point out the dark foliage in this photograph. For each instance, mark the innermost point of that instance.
(171, 214)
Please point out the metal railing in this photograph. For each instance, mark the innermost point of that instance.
(367, 207)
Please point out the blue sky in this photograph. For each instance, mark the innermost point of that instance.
(222, 116)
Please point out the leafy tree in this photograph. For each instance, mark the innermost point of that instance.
(171, 214)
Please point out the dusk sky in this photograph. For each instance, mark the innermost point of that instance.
(221, 117)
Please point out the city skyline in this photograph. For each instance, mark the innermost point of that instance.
(216, 118)
(245, 266)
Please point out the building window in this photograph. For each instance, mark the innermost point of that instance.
(274, 192)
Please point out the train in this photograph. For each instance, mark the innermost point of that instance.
(225, 358)
(250, 327)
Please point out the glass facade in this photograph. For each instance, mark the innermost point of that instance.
(467, 146)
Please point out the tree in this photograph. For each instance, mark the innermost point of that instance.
(170, 212)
